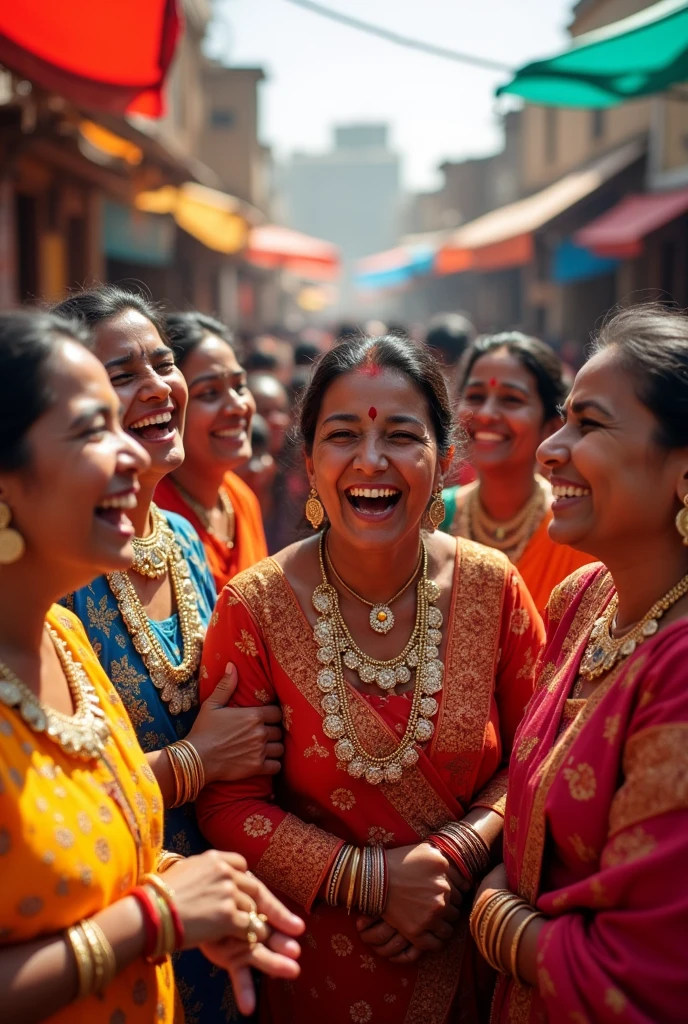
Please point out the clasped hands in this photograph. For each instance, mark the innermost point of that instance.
(424, 900)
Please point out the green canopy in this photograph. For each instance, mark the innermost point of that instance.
(646, 53)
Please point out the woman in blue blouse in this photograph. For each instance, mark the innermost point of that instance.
(147, 624)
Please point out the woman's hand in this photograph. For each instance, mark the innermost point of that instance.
(236, 743)
(214, 894)
(423, 900)
(276, 957)
(495, 880)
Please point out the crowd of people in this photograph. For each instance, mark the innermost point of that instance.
(425, 761)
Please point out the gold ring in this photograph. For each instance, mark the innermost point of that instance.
(255, 922)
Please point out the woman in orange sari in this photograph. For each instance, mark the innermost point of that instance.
(86, 924)
(588, 916)
(402, 661)
(223, 510)
(510, 395)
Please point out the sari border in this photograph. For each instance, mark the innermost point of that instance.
(437, 981)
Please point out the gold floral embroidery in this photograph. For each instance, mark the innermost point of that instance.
(560, 901)
(330, 983)
(436, 981)
(582, 781)
(528, 667)
(520, 621)
(389, 997)
(316, 749)
(628, 846)
(204, 672)
(257, 825)
(564, 593)
(214, 618)
(287, 713)
(247, 644)
(380, 835)
(546, 676)
(125, 676)
(100, 617)
(343, 799)
(262, 695)
(296, 859)
(102, 849)
(584, 852)
(615, 1000)
(493, 795)
(361, 1012)
(341, 944)
(611, 727)
(598, 893)
(310, 940)
(526, 747)
(655, 766)
(367, 962)
(232, 599)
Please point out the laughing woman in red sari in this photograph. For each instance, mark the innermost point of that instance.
(589, 914)
(403, 660)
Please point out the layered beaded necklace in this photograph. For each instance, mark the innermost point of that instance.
(203, 514)
(381, 615)
(511, 536)
(177, 683)
(337, 648)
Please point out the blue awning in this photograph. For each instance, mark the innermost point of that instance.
(136, 237)
(395, 267)
(572, 263)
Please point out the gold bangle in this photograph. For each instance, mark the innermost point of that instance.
(198, 769)
(160, 886)
(166, 859)
(166, 944)
(338, 883)
(102, 954)
(352, 879)
(498, 932)
(84, 961)
(494, 908)
(179, 787)
(334, 877)
(516, 942)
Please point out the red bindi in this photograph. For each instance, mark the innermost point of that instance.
(370, 370)
(493, 382)
(372, 412)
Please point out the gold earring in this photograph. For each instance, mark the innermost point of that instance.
(437, 510)
(11, 541)
(315, 513)
(682, 521)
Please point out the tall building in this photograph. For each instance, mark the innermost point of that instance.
(349, 196)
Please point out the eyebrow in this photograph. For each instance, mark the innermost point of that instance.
(589, 403)
(96, 409)
(163, 350)
(476, 382)
(217, 375)
(351, 417)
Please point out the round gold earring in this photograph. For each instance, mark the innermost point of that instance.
(682, 521)
(315, 513)
(437, 510)
(11, 541)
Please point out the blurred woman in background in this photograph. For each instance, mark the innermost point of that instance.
(82, 909)
(511, 390)
(217, 438)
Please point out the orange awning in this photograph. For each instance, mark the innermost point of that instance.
(276, 248)
(620, 231)
(503, 238)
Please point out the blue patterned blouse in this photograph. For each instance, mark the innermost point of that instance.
(205, 989)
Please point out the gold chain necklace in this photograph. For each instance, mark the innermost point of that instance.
(203, 514)
(512, 536)
(337, 648)
(82, 734)
(604, 650)
(177, 683)
(151, 553)
(381, 615)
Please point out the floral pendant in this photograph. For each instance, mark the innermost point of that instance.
(381, 618)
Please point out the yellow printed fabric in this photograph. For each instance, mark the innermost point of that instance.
(74, 837)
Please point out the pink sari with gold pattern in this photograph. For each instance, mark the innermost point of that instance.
(596, 826)
(290, 834)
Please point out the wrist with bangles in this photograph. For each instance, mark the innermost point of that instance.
(367, 876)
(492, 913)
(188, 771)
(463, 845)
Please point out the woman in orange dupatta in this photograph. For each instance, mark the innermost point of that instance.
(509, 402)
(217, 438)
(376, 413)
(80, 809)
(596, 834)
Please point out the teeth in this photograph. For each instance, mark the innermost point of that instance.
(230, 432)
(125, 501)
(486, 435)
(561, 491)
(151, 421)
(373, 492)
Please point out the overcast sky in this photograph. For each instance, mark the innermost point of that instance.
(321, 73)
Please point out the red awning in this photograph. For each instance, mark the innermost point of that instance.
(620, 231)
(97, 54)
(273, 248)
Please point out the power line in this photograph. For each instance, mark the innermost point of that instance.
(407, 41)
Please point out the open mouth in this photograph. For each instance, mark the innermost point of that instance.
(156, 427)
(566, 494)
(488, 437)
(113, 511)
(373, 501)
(237, 433)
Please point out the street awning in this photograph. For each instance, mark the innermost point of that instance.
(620, 231)
(273, 247)
(503, 238)
(572, 263)
(219, 221)
(643, 54)
(394, 268)
(99, 55)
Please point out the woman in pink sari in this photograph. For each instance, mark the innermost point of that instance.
(588, 915)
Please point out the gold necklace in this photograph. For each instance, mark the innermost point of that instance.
(604, 650)
(512, 536)
(203, 514)
(151, 553)
(177, 683)
(337, 648)
(381, 615)
(82, 734)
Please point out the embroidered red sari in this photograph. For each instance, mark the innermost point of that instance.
(596, 826)
(291, 834)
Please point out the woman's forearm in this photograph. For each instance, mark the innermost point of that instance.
(526, 963)
(489, 824)
(159, 763)
(39, 978)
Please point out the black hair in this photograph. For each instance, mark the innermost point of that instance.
(394, 353)
(94, 306)
(653, 345)
(535, 356)
(305, 353)
(186, 331)
(28, 340)
(260, 362)
(450, 334)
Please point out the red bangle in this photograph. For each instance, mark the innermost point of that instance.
(450, 852)
(178, 926)
(151, 920)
